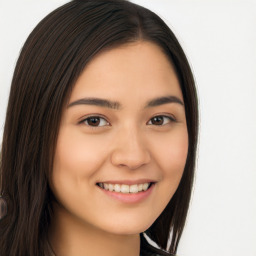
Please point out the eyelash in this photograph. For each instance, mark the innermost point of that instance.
(84, 121)
(166, 119)
(170, 119)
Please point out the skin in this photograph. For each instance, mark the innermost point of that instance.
(127, 144)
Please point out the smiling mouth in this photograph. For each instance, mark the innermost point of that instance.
(125, 188)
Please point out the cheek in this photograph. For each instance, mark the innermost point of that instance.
(77, 154)
(175, 156)
(171, 155)
(78, 158)
(172, 151)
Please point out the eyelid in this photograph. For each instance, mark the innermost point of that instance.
(83, 120)
(170, 117)
(100, 116)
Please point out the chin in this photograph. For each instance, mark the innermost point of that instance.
(130, 227)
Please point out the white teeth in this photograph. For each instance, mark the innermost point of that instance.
(110, 187)
(117, 188)
(124, 188)
(145, 186)
(134, 189)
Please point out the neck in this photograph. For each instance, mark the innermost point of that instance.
(70, 236)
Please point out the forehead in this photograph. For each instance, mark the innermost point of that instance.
(138, 69)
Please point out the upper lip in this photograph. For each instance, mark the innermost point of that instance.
(128, 182)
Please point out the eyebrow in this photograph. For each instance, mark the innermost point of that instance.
(164, 100)
(96, 102)
(116, 105)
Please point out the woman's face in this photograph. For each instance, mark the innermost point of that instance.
(123, 141)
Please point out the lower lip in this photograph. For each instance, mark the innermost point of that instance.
(129, 197)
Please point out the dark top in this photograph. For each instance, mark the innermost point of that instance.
(146, 249)
(149, 250)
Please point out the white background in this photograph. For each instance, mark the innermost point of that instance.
(219, 37)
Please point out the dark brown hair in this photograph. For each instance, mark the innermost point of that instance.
(51, 60)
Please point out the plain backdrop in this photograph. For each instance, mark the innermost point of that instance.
(219, 38)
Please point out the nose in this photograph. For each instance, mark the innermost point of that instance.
(130, 150)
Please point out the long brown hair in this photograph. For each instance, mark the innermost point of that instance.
(51, 60)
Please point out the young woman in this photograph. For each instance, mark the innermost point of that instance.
(100, 136)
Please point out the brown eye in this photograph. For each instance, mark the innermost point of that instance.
(157, 120)
(95, 121)
(161, 120)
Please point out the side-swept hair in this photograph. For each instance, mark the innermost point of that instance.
(51, 60)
